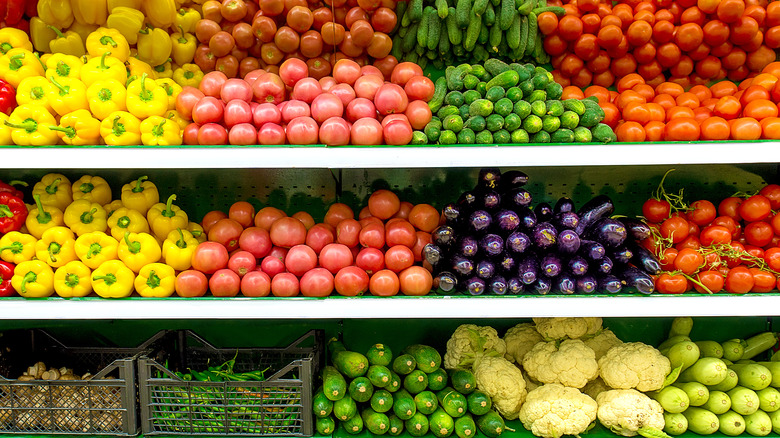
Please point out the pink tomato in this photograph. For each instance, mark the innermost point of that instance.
(325, 106)
(242, 262)
(186, 100)
(190, 134)
(266, 113)
(419, 88)
(268, 88)
(319, 236)
(345, 92)
(327, 83)
(224, 283)
(371, 70)
(287, 232)
(236, 89)
(366, 132)
(418, 113)
(212, 134)
(390, 98)
(237, 111)
(256, 284)
(317, 282)
(334, 132)
(242, 134)
(392, 118)
(256, 241)
(292, 70)
(212, 82)
(272, 266)
(360, 108)
(208, 110)
(252, 76)
(294, 109)
(300, 259)
(209, 257)
(271, 134)
(191, 284)
(367, 85)
(335, 256)
(306, 90)
(346, 71)
(302, 131)
(370, 260)
(405, 71)
(351, 281)
(285, 285)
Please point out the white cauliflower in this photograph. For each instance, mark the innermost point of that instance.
(570, 363)
(530, 384)
(602, 342)
(553, 410)
(572, 328)
(470, 341)
(595, 387)
(519, 340)
(626, 411)
(634, 365)
(503, 382)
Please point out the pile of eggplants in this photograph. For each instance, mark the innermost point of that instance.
(495, 242)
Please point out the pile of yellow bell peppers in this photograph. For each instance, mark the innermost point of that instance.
(77, 240)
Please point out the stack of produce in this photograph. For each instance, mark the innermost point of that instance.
(598, 43)
(289, 255)
(501, 103)
(77, 240)
(720, 388)
(17, 14)
(355, 106)
(731, 247)
(411, 393)
(494, 242)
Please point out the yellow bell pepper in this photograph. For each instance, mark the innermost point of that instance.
(35, 90)
(164, 218)
(137, 68)
(83, 216)
(125, 220)
(154, 45)
(92, 188)
(33, 279)
(54, 189)
(68, 95)
(17, 247)
(185, 20)
(145, 98)
(140, 195)
(161, 13)
(164, 70)
(178, 248)
(95, 248)
(57, 13)
(137, 250)
(175, 117)
(78, 128)
(197, 231)
(73, 280)
(30, 126)
(155, 280)
(188, 75)
(56, 247)
(18, 64)
(41, 35)
(104, 67)
(172, 89)
(113, 279)
(108, 40)
(63, 66)
(5, 131)
(43, 217)
(132, 4)
(68, 43)
(83, 29)
(90, 11)
(113, 206)
(127, 21)
(105, 97)
(183, 45)
(159, 131)
(12, 38)
(121, 128)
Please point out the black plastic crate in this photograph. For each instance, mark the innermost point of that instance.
(101, 404)
(280, 405)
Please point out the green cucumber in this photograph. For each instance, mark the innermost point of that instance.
(480, 107)
(462, 13)
(479, 402)
(532, 36)
(426, 402)
(603, 133)
(463, 381)
(361, 389)
(507, 79)
(403, 404)
(442, 8)
(557, 10)
(444, 41)
(376, 422)
(441, 423)
(490, 15)
(416, 382)
(325, 425)
(333, 383)
(496, 35)
(491, 424)
(434, 31)
(453, 30)
(417, 426)
(415, 10)
(345, 408)
(396, 425)
(495, 66)
(410, 39)
(351, 364)
(379, 375)
(382, 401)
(465, 427)
(562, 135)
(321, 405)
(479, 7)
(422, 30)
(379, 354)
(517, 34)
(472, 32)
(508, 13)
(437, 380)
(440, 90)
(428, 359)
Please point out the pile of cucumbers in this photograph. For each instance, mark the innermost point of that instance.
(720, 387)
(500, 103)
(447, 32)
(377, 393)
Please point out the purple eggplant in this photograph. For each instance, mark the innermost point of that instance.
(528, 268)
(497, 285)
(567, 220)
(506, 220)
(527, 218)
(489, 199)
(565, 284)
(443, 237)
(638, 230)
(542, 286)
(593, 210)
(467, 246)
(489, 177)
(485, 269)
(544, 235)
(638, 279)
(452, 215)
(515, 286)
(592, 250)
(563, 205)
(610, 284)
(577, 265)
(512, 179)
(462, 266)
(587, 285)
(604, 266)
(479, 221)
(432, 254)
(491, 244)
(621, 255)
(609, 232)
(445, 283)
(506, 263)
(543, 212)
(551, 265)
(474, 286)
(467, 201)
(644, 259)
(519, 197)
(518, 242)
(568, 242)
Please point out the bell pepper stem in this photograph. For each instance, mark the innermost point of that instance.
(94, 249)
(158, 130)
(71, 280)
(29, 125)
(57, 31)
(135, 246)
(181, 243)
(108, 41)
(15, 63)
(86, 187)
(153, 281)
(103, 60)
(88, 216)
(38, 58)
(64, 90)
(29, 277)
(5, 47)
(168, 212)
(138, 187)
(189, 74)
(105, 95)
(14, 247)
(63, 69)
(16, 182)
(145, 94)
(123, 222)
(44, 217)
(118, 128)
(54, 249)
(54, 186)
(69, 131)
(182, 40)
(109, 279)
(5, 211)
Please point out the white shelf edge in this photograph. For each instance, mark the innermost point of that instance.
(392, 308)
(101, 157)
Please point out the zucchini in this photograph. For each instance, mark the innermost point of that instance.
(396, 426)
(361, 389)
(325, 425)
(479, 403)
(382, 401)
(335, 346)
(463, 381)
(416, 382)
(344, 409)
(379, 354)
(465, 427)
(376, 422)
(351, 364)
(437, 380)
(441, 424)
(403, 404)
(395, 380)
(491, 424)
(379, 375)
(333, 384)
(417, 426)
(426, 402)
(321, 405)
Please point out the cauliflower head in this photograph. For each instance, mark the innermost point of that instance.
(572, 363)
(595, 387)
(625, 411)
(519, 340)
(564, 327)
(530, 384)
(553, 410)
(503, 382)
(602, 342)
(469, 341)
(634, 365)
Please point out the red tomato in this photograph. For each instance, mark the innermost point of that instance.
(415, 281)
(398, 258)
(335, 256)
(255, 240)
(227, 232)
(404, 209)
(383, 204)
(256, 284)
(739, 280)
(212, 218)
(712, 280)
(191, 283)
(351, 281)
(266, 216)
(688, 261)
(423, 239)
(667, 258)
(763, 281)
(224, 283)
(300, 259)
(318, 236)
(384, 283)
(424, 217)
(656, 210)
(242, 262)
(372, 235)
(317, 282)
(772, 192)
(285, 285)
(772, 257)
(730, 207)
(370, 260)
(671, 283)
(209, 257)
(400, 232)
(758, 233)
(287, 232)
(338, 212)
(703, 212)
(755, 208)
(675, 228)
(347, 232)
(272, 266)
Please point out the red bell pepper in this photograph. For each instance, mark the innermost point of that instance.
(9, 187)
(7, 97)
(14, 11)
(31, 8)
(6, 272)
(13, 213)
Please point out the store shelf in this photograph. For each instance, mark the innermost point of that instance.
(398, 307)
(102, 157)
